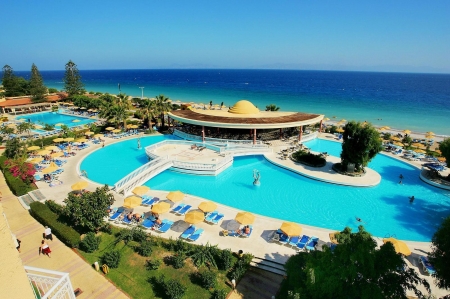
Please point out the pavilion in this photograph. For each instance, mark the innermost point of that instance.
(244, 115)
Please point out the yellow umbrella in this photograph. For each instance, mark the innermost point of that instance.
(52, 148)
(109, 128)
(420, 151)
(245, 218)
(395, 138)
(76, 121)
(11, 125)
(340, 130)
(381, 129)
(161, 207)
(438, 151)
(398, 143)
(430, 133)
(194, 217)
(116, 130)
(58, 140)
(69, 139)
(406, 132)
(81, 140)
(429, 136)
(57, 154)
(134, 126)
(207, 206)
(442, 159)
(98, 135)
(291, 229)
(43, 152)
(419, 145)
(326, 119)
(89, 133)
(141, 190)
(33, 148)
(175, 196)
(129, 126)
(400, 246)
(37, 160)
(333, 237)
(80, 185)
(132, 201)
(51, 168)
(59, 125)
(387, 128)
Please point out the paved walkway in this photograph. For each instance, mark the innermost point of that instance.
(63, 259)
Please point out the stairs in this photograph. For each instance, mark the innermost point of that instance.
(268, 265)
(257, 284)
(27, 199)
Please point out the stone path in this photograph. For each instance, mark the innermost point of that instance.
(63, 259)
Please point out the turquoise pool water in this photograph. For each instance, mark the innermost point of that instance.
(385, 209)
(54, 118)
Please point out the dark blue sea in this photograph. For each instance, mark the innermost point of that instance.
(418, 102)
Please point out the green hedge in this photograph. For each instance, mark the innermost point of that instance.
(16, 185)
(46, 217)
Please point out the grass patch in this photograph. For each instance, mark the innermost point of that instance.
(133, 278)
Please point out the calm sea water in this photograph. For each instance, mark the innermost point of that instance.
(418, 102)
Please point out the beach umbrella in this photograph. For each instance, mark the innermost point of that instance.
(400, 246)
(116, 130)
(69, 139)
(129, 126)
(83, 108)
(132, 201)
(89, 133)
(429, 136)
(419, 145)
(51, 168)
(207, 206)
(57, 154)
(340, 130)
(90, 110)
(43, 152)
(141, 190)
(59, 125)
(387, 128)
(70, 104)
(398, 143)
(420, 151)
(37, 160)
(406, 132)
(430, 133)
(52, 148)
(33, 148)
(438, 151)
(232, 225)
(395, 138)
(79, 186)
(245, 218)
(291, 229)
(81, 140)
(76, 121)
(134, 126)
(109, 128)
(194, 217)
(161, 207)
(11, 126)
(441, 159)
(175, 196)
(98, 135)
(58, 140)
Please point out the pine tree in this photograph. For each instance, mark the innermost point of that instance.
(72, 80)
(37, 88)
(7, 79)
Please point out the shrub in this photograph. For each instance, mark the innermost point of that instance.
(90, 242)
(172, 288)
(153, 264)
(224, 259)
(111, 258)
(54, 207)
(309, 158)
(219, 294)
(145, 248)
(139, 235)
(240, 267)
(208, 279)
(178, 260)
(17, 186)
(45, 216)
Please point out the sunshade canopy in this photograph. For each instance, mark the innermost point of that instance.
(245, 218)
(207, 206)
(81, 140)
(33, 148)
(36, 160)
(141, 190)
(52, 148)
(340, 130)
(89, 133)
(400, 246)
(132, 201)
(51, 168)
(80, 185)
(291, 229)
(43, 152)
(98, 135)
(175, 196)
(194, 217)
(58, 140)
(109, 128)
(116, 130)
(68, 139)
(161, 207)
(57, 154)
(406, 132)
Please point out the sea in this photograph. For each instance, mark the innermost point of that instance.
(417, 102)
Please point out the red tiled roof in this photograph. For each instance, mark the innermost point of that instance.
(26, 101)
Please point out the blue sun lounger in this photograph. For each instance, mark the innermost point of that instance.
(427, 266)
(312, 243)
(115, 216)
(188, 232)
(302, 243)
(211, 216)
(284, 239)
(217, 219)
(178, 208)
(148, 223)
(126, 221)
(194, 237)
(244, 235)
(184, 210)
(165, 225)
(293, 241)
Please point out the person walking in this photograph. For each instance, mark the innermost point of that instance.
(45, 249)
(16, 242)
(48, 233)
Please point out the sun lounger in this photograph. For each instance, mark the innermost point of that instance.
(115, 216)
(188, 232)
(426, 265)
(231, 233)
(148, 223)
(126, 221)
(217, 219)
(302, 243)
(293, 241)
(211, 216)
(194, 237)
(166, 224)
(184, 210)
(244, 235)
(284, 239)
(178, 208)
(312, 243)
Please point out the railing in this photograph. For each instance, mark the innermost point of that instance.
(185, 135)
(309, 137)
(215, 167)
(49, 284)
(142, 174)
(150, 149)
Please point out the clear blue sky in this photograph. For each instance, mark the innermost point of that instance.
(401, 35)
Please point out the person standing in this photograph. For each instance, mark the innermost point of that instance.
(48, 233)
(45, 249)
(16, 242)
(401, 179)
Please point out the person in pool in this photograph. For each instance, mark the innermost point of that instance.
(411, 199)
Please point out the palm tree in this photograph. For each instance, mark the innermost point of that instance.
(25, 127)
(272, 107)
(149, 110)
(163, 105)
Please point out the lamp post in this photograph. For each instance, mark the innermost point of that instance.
(142, 92)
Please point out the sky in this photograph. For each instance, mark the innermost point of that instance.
(382, 35)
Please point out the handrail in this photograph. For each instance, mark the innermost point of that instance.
(185, 135)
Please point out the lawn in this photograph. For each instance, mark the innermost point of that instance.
(133, 278)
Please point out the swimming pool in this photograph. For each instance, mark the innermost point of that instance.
(53, 118)
(283, 194)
